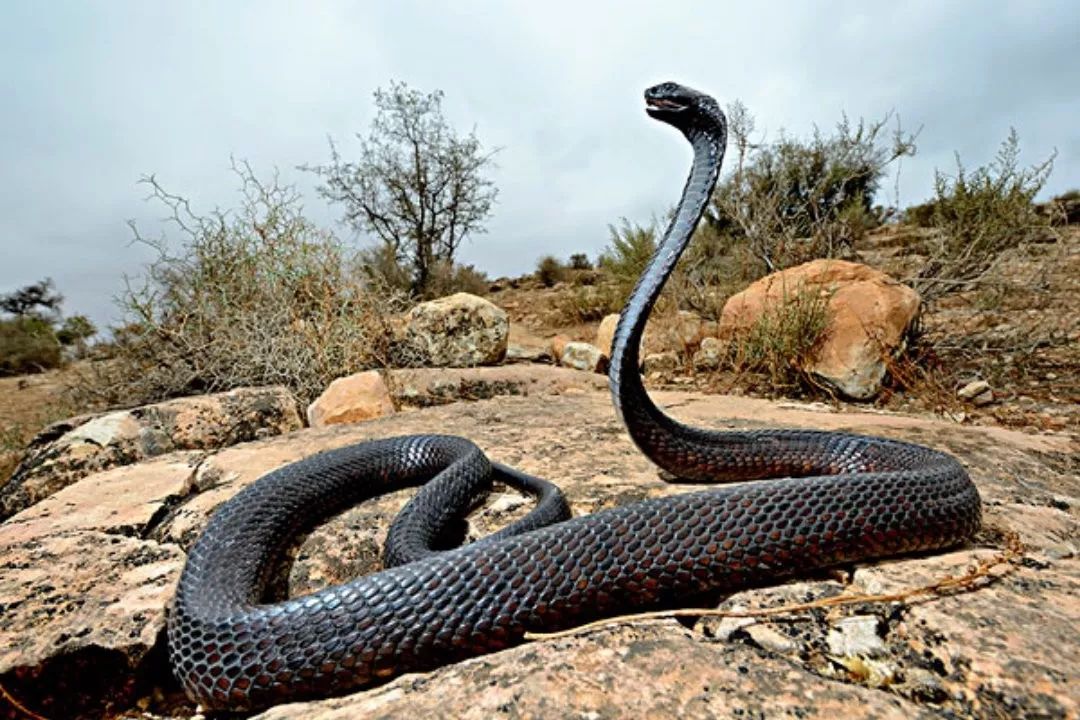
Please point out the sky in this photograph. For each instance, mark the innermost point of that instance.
(96, 95)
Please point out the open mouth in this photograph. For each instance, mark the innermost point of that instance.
(660, 104)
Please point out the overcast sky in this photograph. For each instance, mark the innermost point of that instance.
(95, 95)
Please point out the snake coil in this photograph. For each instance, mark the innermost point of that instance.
(841, 498)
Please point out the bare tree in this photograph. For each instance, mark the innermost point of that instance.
(418, 185)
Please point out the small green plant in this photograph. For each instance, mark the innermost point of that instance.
(550, 271)
(782, 341)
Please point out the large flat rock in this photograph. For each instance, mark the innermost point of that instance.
(110, 548)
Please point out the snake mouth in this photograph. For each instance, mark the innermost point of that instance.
(663, 107)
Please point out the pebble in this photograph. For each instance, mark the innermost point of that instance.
(767, 638)
(856, 636)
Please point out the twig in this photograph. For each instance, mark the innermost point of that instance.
(19, 706)
(1013, 550)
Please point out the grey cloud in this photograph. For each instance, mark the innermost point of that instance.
(96, 95)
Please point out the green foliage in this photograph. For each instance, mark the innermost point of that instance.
(30, 340)
(980, 214)
(796, 200)
(418, 186)
(251, 296)
(385, 270)
(28, 344)
(74, 332)
(631, 247)
(590, 303)
(38, 299)
(580, 261)
(550, 271)
(782, 342)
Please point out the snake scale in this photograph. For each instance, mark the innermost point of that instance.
(838, 498)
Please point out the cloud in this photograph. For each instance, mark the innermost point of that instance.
(96, 96)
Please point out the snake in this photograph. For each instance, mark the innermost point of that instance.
(824, 499)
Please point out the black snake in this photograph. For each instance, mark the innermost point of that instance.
(841, 498)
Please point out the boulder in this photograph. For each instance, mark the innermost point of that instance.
(605, 334)
(353, 398)
(869, 314)
(583, 356)
(684, 332)
(460, 330)
(557, 345)
(71, 449)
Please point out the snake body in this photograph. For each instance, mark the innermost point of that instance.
(840, 498)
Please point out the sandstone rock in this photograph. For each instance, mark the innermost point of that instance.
(583, 356)
(460, 330)
(1004, 649)
(685, 331)
(868, 315)
(605, 334)
(72, 449)
(558, 346)
(354, 398)
(82, 593)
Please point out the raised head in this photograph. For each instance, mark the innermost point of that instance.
(685, 108)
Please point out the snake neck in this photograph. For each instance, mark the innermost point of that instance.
(647, 424)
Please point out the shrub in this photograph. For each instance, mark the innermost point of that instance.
(28, 344)
(590, 303)
(550, 271)
(980, 214)
(252, 296)
(792, 201)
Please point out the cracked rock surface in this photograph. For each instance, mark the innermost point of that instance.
(87, 574)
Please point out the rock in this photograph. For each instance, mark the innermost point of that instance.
(583, 356)
(605, 334)
(523, 354)
(856, 636)
(354, 398)
(558, 346)
(768, 638)
(709, 354)
(868, 316)
(685, 331)
(73, 449)
(977, 392)
(83, 593)
(662, 362)
(86, 574)
(460, 330)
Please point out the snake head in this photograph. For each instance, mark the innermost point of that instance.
(685, 108)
